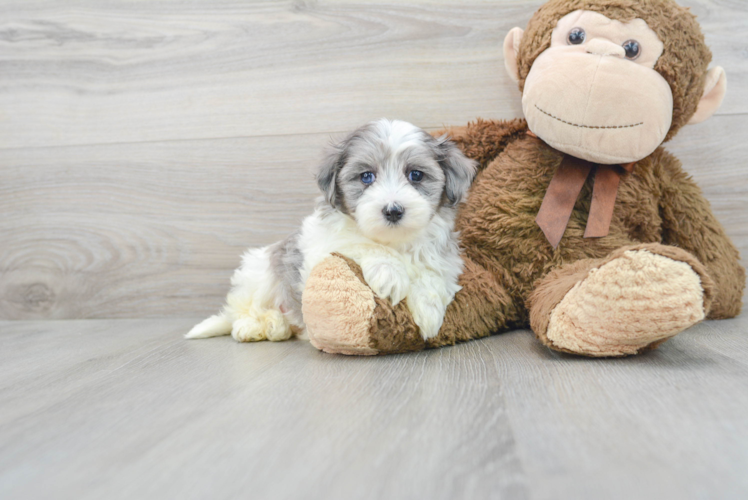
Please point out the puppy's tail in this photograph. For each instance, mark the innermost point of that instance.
(214, 326)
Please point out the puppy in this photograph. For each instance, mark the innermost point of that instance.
(391, 192)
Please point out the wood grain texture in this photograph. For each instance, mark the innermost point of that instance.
(145, 229)
(145, 145)
(128, 409)
(91, 72)
(155, 229)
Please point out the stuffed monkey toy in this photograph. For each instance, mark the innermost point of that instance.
(579, 224)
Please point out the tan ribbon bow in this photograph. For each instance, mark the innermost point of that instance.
(564, 189)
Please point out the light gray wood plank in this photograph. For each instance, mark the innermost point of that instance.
(155, 229)
(639, 427)
(90, 72)
(126, 408)
(222, 420)
(726, 338)
(149, 229)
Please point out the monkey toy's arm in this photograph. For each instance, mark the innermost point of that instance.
(688, 223)
(342, 315)
(483, 140)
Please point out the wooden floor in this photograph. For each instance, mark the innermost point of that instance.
(128, 409)
(145, 145)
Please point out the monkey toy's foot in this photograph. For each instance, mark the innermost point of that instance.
(343, 316)
(632, 301)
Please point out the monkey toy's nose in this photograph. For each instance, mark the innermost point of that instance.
(601, 47)
(393, 213)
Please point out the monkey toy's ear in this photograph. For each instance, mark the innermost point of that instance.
(714, 94)
(511, 49)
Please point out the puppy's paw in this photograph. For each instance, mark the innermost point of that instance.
(269, 325)
(276, 325)
(387, 279)
(428, 309)
(247, 329)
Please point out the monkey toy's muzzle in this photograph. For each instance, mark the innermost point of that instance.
(601, 108)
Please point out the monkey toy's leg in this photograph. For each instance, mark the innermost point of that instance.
(689, 223)
(342, 314)
(633, 300)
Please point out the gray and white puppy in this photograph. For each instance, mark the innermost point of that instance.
(391, 192)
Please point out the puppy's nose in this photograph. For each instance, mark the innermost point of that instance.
(393, 213)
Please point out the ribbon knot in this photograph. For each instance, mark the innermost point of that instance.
(564, 189)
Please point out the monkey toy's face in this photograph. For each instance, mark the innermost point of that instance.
(594, 93)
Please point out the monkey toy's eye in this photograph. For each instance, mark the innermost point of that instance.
(367, 177)
(576, 36)
(632, 49)
(415, 176)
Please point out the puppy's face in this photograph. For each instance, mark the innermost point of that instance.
(392, 177)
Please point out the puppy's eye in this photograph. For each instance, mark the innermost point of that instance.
(415, 176)
(367, 177)
(576, 36)
(632, 48)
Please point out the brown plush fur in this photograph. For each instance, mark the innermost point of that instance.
(513, 277)
(508, 260)
(393, 329)
(657, 203)
(486, 139)
(683, 62)
(554, 286)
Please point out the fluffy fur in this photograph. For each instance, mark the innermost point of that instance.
(514, 279)
(665, 263)
(390, 197)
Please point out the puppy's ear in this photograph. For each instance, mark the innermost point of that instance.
(459, 170)
(327, 173)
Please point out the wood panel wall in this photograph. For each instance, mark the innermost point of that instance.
(145, 145)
